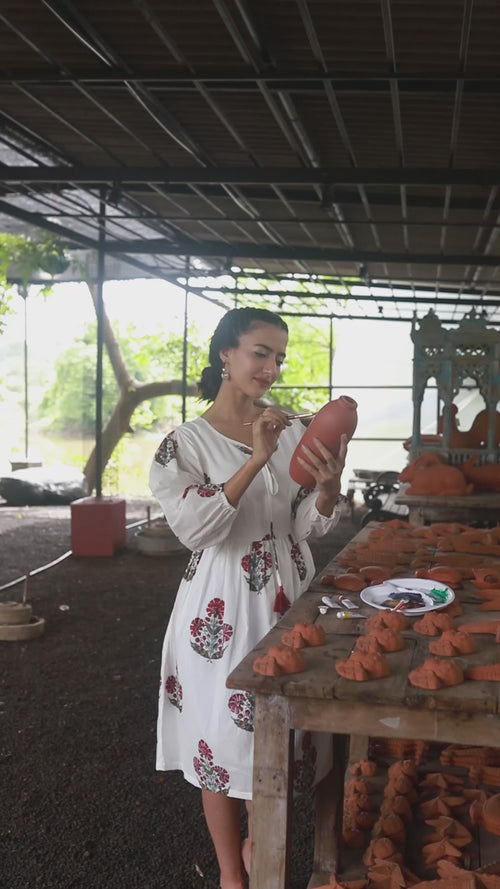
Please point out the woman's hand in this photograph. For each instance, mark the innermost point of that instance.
(326, 471)
(266, 430)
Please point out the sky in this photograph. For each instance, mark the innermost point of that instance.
(368, 354)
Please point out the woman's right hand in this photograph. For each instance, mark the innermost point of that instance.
(266, 430)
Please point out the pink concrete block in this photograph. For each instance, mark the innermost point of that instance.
(97, 526)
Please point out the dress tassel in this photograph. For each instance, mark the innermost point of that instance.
(281, 603)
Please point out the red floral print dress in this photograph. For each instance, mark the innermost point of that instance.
(247, 565)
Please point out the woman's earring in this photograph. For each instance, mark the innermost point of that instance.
(224, 375)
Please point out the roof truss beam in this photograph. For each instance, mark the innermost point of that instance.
(234, 79)
(424, 176)
(277, 251)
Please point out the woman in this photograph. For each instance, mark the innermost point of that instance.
(223, 483)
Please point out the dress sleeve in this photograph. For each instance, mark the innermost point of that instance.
(308, 521)
(196, 509)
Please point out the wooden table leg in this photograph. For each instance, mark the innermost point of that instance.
(329, 798)
(272, 794)
(358, 748)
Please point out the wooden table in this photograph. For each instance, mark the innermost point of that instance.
(319, 700)
(424, 508)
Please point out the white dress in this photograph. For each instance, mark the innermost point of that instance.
(247, 563)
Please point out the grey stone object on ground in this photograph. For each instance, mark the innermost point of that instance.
(42, 486)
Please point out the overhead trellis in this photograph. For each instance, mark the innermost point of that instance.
(295, 137)
(317, 295)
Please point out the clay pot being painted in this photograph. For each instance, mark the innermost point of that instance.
(332, 420)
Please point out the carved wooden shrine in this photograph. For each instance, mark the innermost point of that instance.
(453, 356)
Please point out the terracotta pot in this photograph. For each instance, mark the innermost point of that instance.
(335, 418)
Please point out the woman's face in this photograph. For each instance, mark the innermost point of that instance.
(255, 363)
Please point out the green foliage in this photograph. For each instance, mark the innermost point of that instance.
(68, 405)
(307, 364)
(24, 255)
(21, 256)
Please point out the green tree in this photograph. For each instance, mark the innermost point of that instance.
(68, 405)
(307, 364)
(142, 381)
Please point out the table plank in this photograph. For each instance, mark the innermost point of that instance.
(423, 508)
(390, 721)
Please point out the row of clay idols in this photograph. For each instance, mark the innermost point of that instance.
(395, 546)
(383, 634)
(395, 810)
(484, 809)
(464, 757)
(444, 670)
(430, 473)
(288, 657)
(387, 874)
(399, 748)
(367, 660)
(371, 575)
(448, 836)
(389, 832)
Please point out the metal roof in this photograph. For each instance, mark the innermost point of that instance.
(355, 141)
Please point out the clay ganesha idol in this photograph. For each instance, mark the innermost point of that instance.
(428, 474)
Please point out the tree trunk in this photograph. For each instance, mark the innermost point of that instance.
(132, 393)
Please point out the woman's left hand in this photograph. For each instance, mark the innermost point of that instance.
(326, 469)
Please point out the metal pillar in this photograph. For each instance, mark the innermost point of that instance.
(101, 255)
(24, 293)
(330, 372)
(184, 344)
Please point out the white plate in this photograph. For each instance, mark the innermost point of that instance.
(377, 594)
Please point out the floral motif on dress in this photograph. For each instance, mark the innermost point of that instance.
(304, 769)
(174, 690)
(192, 565)
(297, 558)
(167, 451)
(242, 707)
(207, 489)
(302, 493)
(210, 633)
(210, 776)
(257, 564)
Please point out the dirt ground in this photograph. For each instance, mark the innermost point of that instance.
(82, 806)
